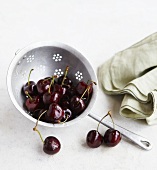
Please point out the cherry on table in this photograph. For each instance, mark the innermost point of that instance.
(94, 139)
(51, 145)
(112, 137)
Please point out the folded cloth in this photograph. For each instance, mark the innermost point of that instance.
(133, 72)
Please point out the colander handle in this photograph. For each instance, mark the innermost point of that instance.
(135, 138)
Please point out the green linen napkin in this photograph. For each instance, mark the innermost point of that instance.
(133, 72)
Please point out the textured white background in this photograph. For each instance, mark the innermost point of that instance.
(98, 29)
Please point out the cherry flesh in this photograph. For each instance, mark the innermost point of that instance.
(94, 139)
(55, 113)
(51, 145)
(112, 137)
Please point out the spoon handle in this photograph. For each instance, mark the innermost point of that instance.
(135, 138)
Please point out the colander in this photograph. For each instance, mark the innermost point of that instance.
(51, 58)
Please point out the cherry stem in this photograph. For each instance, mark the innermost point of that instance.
(109, 113)
(26, 92)
(52, 83)
(65, 74)
(101, 121)
(87, 89)
(35, 128)
(92, 82)
(67, 116)
(29, 76)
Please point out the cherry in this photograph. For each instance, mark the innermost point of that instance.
(65, 101)
(77, 105)
(55, 113)
(30, 86)
(59, 89)
(71, 91)
(67, 115)
(64, 80)
(52, 97)
(51, 145)
(32, 103)
(94, 139)
(43, 85)
(112, 137)
(82, 86)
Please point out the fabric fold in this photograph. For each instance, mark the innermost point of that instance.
(133, 72)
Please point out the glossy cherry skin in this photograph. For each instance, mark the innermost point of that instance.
(32, 104)
(94, 139)
(81, 87)
(77, 105)
(52, 97)
(55, 113)
(30, 88)
(112, 137)
(59, 89)
(51, 145)
(67, 114)
(67, 81)
(43, 85)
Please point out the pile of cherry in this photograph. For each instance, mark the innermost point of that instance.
(57, 100)
(62, 100)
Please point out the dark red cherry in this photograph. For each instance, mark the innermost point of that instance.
(82, 86)
(77, 105)
(65, 101)
(59, 89)
(51, 145)
(71, 91)
(52, 97)
(55, 113)
(94, 139)
(67, 114)
(30, 88)
(43, 85)
(67, 82)
(32, 103)
(112, 137)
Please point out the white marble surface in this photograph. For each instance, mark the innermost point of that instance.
(97, 29)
